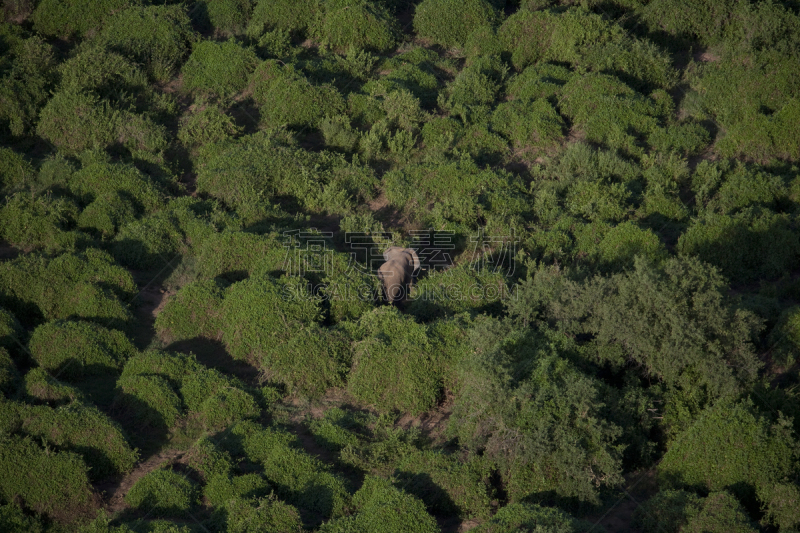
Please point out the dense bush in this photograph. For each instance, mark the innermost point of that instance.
(303, 104)
(381, 507)
(299, 478)
(85, 431)
(226, 17)
(42, 387)
(15, 170)
(163, 493)
(460, 192)
(464, 287)
(50, 483)
(218, 69)
(152, 242)
(149, 400)
(448, 23)
(445, 485)
(66, 18)
(676, 323)
(529, 125)
(287, 15)
(74, 121)
(9, 376)
(680, 511)
(40, 221)
(73, 350)
(748, 245)
(87, 285)
(207, 123)
(156, 36)
(193, 312)
(12, 335)
(360, 24)
(731, 447)
(394, 366)
(535, 415)
(532, 517)
(273, 323)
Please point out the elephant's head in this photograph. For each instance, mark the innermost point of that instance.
(397, 271)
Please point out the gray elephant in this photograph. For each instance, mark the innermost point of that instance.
(396, 273)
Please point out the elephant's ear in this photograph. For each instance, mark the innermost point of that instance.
(414, 259)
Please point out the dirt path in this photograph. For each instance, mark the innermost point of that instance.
(114, 493)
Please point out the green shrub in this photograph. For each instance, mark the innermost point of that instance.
(50, 483)
(743, 187)
(461, 192)
(587, 40)
(109, 75)
(40, 221)
(288, 15)
(227, 17)
(359, 24)
(217, 399)
(393, 363)
(206, 124)
(273, 323)
(219, 69)
(73, 350)
(477, 84)
(381, 507)
(85, 431)
(303, 104)
(262, 515)
(193, 312)
(754, 101)
(66, 18)
(527, 34)
(448, 23)
(535, 415)
(28, 76)
(754, 243)
(666, 511)
(15, 171)
(74, 121)
(222, 489)
(12, 335)
(152, 242)
(624, 242)
(531, 517)
(156, 36)
(107, 213)
(695, 338)
(461, 288)
(785, 338)
(209, 459)
(608, 111)
(674, 511)
(688, 138)
(348, 290)
(445, 484)
(529, 125)
(14, 520)
(544, 80)
(40, 386)
(483, 41)
(163, 493)
(781, 504)
(233, 255)
(329, 432)
(299, 478)
(9, 376)
(150, 400)
(87, 285)
(731, 447)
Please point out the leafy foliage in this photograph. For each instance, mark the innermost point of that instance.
(163, 493)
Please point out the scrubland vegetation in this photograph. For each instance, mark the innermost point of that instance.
(611, 342)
